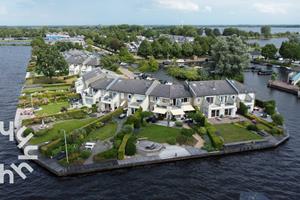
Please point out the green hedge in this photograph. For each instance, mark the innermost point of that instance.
(216, 140)
(130, 148)
(267, 124)
(109, 154)
(48, 148)
(121, 150)
(99, 122)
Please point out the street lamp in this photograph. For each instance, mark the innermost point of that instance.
(66, 146)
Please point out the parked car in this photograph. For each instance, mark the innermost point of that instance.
(122, 116)
(89, 145)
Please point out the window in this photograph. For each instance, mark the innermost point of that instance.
(129, 96)
(184, 100)
(228, 112)
(215, 113)
(210, 100)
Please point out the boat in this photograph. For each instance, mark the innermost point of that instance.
(265, 72)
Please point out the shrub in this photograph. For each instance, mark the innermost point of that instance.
(48, 148)
(202, 130)
(109, 154)
(171, 141)
(243, 109)
(130, 148)
(121, 150)
(28, 131)
(270, 108)
(278, 119)
(216, 140)
(127, 128)
(187, 132)
(181, 139)
(252, 127)
(85, 154)
(179, 124)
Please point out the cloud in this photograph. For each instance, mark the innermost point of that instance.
(272, 8)
(208, 9)
(180, 5)
(3, 10)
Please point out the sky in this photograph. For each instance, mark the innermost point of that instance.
(148, 12)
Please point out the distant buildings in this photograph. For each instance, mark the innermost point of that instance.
(64, 37)
(134, 46)
(81, 61)
(178, 38)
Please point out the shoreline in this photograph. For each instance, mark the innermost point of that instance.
(52, 166)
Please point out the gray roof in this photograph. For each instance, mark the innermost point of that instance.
(211, 88)
(101, 84)
(171, 91)
(241, 88)
(131, 86)
(76, 60)
(92, 61)
(93, 74)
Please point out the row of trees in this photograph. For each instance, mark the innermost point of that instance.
(164, 48)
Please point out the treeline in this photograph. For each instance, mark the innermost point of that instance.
(164, 48)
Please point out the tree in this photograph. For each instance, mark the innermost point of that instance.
(126, 56)
(176, 50)
(89, 42)
(243, 109)
(50, 62)
(166, 48)
(153, 65)
(145, 49)
(266, 31)
(209, 32)
(230, 56)
(290, 50)
(216, 32)
(115, 44)
(197, 49)
(187, 49)
(110, 62)
(156, 49)
(269, 51)
(278, 119)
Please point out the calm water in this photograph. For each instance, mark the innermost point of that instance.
(276, 173)
(276, 41)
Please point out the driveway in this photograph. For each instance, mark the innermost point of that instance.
(126, 72)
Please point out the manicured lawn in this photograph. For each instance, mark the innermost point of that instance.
(103, 133)
(52, 108)
(54, 132)
(233, 133)
(158, 133)
(42, 89)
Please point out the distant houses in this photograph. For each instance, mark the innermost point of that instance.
(179, 38)
(52, 38)
(217, 98)
(81, 61)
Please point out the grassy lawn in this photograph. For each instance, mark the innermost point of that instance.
(233, 133)
(52, 108)
(158, 133)
(43, 89)
(103, 133)
(68, 126)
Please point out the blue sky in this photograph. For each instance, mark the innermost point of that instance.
(142, 12)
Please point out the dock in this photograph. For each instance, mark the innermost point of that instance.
(283, 86)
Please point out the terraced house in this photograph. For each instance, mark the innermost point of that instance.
(217, 98)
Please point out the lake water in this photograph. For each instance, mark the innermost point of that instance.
(276, 41)
(275, 172)
(257, 29)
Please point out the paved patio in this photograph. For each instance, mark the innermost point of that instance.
(227, 120)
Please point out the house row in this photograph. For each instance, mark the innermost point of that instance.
(81, 61)
(217, 98)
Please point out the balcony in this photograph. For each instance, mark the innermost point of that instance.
(109, 98)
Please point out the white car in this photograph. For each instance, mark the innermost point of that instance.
(89, 145)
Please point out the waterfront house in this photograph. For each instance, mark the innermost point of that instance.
(171, 101)
(221, 98)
